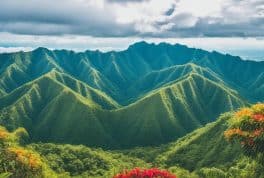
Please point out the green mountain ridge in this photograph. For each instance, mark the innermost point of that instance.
(116, 73)
(149, 93)
(160, 78)
(176, 110)
(58, 100)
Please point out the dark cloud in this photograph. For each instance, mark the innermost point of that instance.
(60, 17)
(170, 10)
(64, 17)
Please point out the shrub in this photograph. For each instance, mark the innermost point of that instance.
(247, 127)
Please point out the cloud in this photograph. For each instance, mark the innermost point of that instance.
(134, 18)
(170, 10)
(125, 1)
(14, 49)
(49, 17)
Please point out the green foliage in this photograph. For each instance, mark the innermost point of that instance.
(246, 167)
(5, 175)
(18, 161)
(22, 135)
(83, 161)
(182, 173)
(210, 156)
(211, 173)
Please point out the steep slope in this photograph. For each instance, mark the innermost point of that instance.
(205, 147)
(58, 108)
(19, 68)
(119, 74)
(159, 78)
(85, 90)
(173, 111)
(166, 91)
(51, 111)
(2, 93)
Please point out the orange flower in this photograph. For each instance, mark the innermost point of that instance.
(26, 157)
(3, 135)
(243, 112)
(231, 132)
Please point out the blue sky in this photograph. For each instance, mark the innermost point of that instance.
(224, 25)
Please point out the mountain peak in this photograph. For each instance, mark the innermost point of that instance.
(41, 49)
(140, 44)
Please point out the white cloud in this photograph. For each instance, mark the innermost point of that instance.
(81, 43)
(14, 49)
(130, 18)
(201, 8)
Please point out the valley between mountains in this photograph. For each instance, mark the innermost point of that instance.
(150, 96)
(149, 93)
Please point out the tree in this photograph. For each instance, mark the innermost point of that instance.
(247, 128)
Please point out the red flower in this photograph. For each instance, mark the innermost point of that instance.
(145, 173)
(258, 117)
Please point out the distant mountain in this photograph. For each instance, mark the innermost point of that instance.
(146, 95)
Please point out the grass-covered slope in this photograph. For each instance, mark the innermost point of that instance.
(58, 108)
(205, 147)
(172, 111)
(2, 93)
(19, 68)
(85, 90)
(128, 74)
(51, 111)
(166, 91)
(160, 78)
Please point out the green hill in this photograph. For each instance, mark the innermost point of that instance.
(149, 93)
(128, 74)
(172, 111)
(48, 110)
(205, 147)
(56, 107)
(159, 78)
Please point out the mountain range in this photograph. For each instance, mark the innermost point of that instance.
(146, 95)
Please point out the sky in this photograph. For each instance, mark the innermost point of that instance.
(233, 26)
